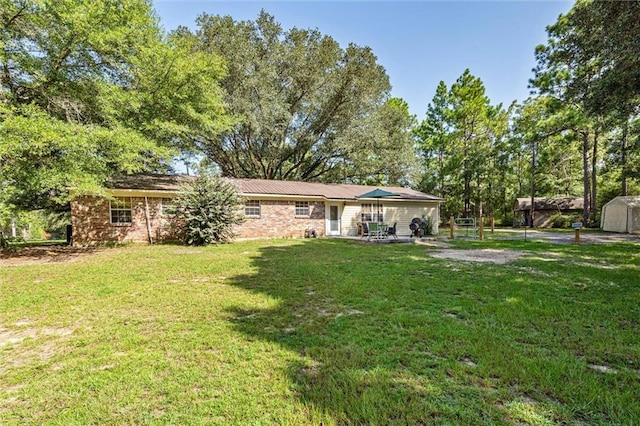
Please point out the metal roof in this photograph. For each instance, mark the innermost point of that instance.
(629, 200)
(549, 203)
(265, 187)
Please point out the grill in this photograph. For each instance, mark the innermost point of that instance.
(418, 227)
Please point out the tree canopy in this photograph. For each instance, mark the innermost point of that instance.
(89, 89)
(594, 52)
(304, 104)
(576, 135)
(590, 67)
(460, 139)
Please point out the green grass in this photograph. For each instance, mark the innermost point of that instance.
(323, 332)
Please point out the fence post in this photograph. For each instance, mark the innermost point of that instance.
(451, 225)
(481, 235)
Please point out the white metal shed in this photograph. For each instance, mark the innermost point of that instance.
(622, 214)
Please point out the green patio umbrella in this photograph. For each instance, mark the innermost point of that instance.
(377, 193)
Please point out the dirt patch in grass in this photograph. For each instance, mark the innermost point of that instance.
(43, 255)
(18, 352)
(482, 255)
(603, 368)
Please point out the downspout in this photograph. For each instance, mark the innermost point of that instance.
(146, 215)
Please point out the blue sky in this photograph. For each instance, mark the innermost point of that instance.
(418, 42)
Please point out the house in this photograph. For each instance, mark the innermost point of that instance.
(273, 209)
(622, 214)
(546, 207)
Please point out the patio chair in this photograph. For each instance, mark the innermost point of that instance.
(374, 230)
(392, 230)
(365, 229)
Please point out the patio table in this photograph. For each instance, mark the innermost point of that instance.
(377, 230)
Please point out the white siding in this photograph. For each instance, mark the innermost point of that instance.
(350, 219)
(393, 211)
(403, 213)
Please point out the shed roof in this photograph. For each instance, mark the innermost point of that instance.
(630, 200)
(257, 187)
(549, 203)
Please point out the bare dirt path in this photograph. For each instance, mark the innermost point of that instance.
(496, 256)
(43, 255)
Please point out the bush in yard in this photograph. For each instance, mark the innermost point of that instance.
(428, 225)
(559, 220)
(206, 210)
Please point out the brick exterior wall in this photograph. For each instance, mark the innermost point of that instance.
(278, 219)
(91, 220)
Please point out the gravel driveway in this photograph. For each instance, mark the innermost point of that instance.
(586, 237)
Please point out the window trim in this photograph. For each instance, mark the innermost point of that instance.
(121, 209)
(301, 207)
(255, 204)
(371, 207)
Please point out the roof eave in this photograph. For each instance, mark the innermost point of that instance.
(133, 192)
(274, 196)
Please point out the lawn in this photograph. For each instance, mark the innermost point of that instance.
(323, 332)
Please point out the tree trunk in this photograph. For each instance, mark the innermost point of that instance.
(594, 184)
(623, 153)
(533, 183)
(467, 196)
(467, 179)
(585, 177)
(479, 197)
(441, 169)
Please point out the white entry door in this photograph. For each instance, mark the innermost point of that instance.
(333, 219)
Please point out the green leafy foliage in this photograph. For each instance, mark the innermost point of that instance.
(173, 97)
(549, 150)
(90, 89)
(577, 135)
(559, 220)
(206, 210)
(590, 66)
(461, 140)
(35, 225)
(428, 225)
(381, 150)
(42, 156)
(307, 109)
(593, 52)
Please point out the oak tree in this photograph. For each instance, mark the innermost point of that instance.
(90, 89)
(296, 95)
